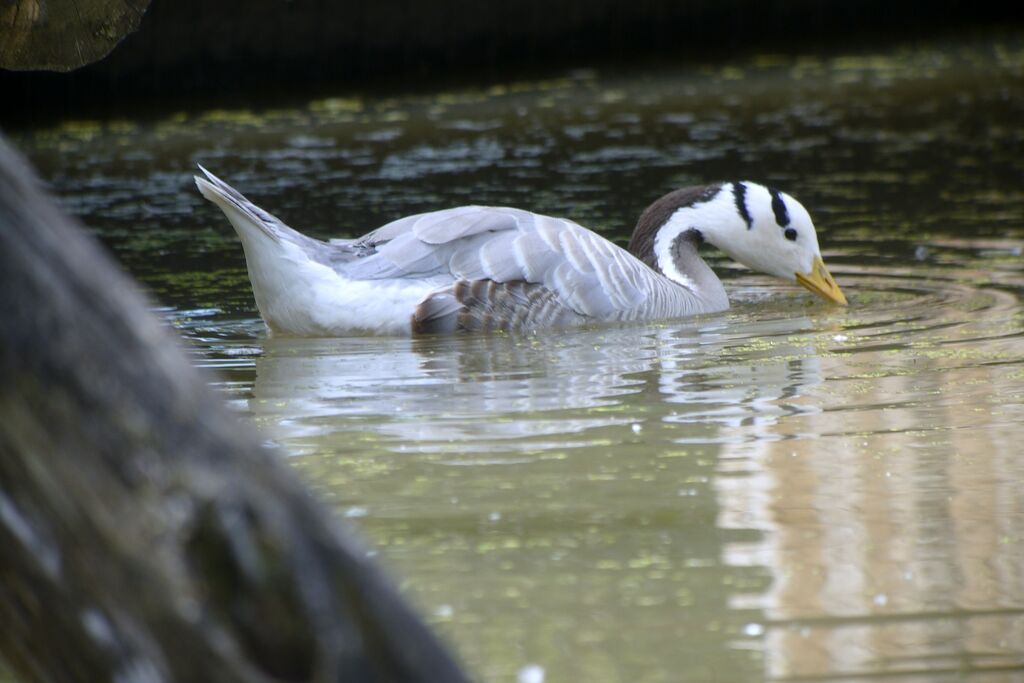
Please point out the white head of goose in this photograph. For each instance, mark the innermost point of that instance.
(496, 268)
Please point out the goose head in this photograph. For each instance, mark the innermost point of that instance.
(760, 227)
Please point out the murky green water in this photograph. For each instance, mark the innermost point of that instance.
(788, 491)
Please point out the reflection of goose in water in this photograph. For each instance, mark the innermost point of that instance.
(755, 375)
(491, 268)
(452, 392)
(486, 392)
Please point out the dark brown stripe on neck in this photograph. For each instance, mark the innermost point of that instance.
(641, 244)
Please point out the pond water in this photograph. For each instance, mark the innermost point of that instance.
(787, 491)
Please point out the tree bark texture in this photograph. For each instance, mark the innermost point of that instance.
(145, 534)
(61, 35)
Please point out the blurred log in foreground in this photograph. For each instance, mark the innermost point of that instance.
(145, 535)
(61, 35)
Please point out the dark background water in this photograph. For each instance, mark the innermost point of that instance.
(247, 51)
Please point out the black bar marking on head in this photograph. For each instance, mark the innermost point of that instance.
(779, 207)
(739, 195)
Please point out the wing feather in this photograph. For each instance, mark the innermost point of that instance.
(586, 273)
(485, 257)
(534, 256)
(443, 227)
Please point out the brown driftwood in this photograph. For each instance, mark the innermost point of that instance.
(145, 534)
(61, 35)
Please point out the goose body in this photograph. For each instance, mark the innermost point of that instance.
(498, 268)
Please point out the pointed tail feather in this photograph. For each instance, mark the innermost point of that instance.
(282, 263)
(245, 215)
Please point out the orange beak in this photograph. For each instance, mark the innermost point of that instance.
(821, 282)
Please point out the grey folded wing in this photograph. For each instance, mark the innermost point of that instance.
(545, 271)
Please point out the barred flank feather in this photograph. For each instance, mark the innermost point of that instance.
(486, 305)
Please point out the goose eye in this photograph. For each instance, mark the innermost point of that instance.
(790, 234)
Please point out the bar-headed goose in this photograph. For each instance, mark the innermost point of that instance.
(494, 268)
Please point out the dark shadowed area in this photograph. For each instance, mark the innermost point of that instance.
(261, 51)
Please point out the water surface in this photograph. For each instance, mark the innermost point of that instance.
(787, 491)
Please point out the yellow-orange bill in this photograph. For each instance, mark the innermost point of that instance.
(820, 281)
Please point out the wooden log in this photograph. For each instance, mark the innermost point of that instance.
(146, 534)
(61, 35)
